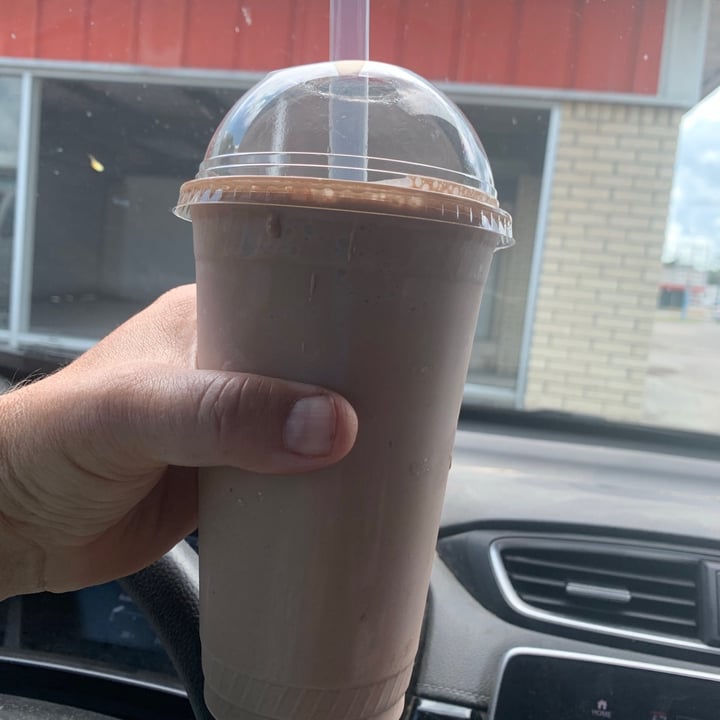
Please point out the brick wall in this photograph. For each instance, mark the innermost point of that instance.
(601, 262)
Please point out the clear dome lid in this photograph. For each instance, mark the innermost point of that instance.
(349, 122)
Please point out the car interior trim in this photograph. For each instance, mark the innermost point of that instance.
(601, 659)
(522, 608)
(87, 672)
(442, 709)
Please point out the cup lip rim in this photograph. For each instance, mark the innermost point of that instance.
(392, 200)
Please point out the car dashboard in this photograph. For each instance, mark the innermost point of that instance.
(573, 580)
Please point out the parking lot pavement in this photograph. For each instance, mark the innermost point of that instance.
(682, 388)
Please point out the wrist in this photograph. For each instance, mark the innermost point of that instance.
(21, 559)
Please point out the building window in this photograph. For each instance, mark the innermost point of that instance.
(515, 140)
(111, 159)
(112, 156)
(9, 130)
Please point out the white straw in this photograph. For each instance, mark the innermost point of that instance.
(349, 40)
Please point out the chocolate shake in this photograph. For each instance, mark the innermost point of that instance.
(313, 586)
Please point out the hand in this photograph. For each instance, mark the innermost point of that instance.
(98, 462)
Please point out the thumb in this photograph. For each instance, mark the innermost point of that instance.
(167, 416)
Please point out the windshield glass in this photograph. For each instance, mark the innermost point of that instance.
(601, 121)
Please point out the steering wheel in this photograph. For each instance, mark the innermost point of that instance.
(168, 593)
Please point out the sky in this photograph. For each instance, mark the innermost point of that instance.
(693, 235)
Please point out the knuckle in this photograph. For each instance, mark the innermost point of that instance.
(235, 405)
(115, 408)
(125, 395)
(174, 308)
(257, 398)
(178, 302)
(174, 319)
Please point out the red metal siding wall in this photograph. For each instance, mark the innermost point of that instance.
(605, 45)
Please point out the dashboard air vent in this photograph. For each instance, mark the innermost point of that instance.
(607, 586)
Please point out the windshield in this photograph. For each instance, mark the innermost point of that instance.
(601, 121)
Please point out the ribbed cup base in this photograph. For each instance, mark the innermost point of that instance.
(232, 696)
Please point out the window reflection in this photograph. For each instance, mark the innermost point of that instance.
(515, 140)
(111, 159)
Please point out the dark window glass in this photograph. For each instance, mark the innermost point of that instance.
(111, 159)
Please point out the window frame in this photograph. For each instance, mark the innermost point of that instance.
(18, 336)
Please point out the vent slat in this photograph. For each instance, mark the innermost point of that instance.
(650, 597)
(664, 619)
(636, 594)
(549, 582)
(662, 592)
(678, 582)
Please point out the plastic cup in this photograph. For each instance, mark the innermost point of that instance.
(313, 587)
